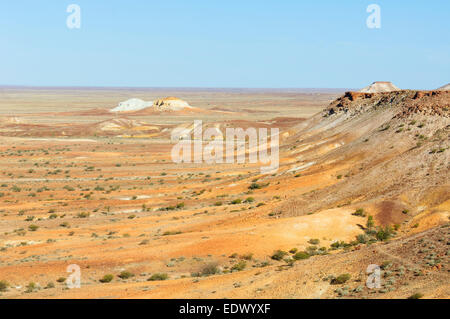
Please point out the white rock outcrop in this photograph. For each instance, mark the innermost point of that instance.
(132, 105)
(165, 104)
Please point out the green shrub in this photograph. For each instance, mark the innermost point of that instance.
(254, 186)
(239, 266)
(61, 279)
(278, 255)
(50, 285)
(362, 239)
(169, 233)
(257, 186)
(312, 250)
(301, 255)
(107, 278)
(386, 265)
(125, 275)
(384, 233)
(83, 215)
(416, 296)
(209, 269)
(338, 244)
(33, 227)
(158, 277)
(370, 222)
(341, 279)
(314, 241)
(3, 285)
(248, 256)
(31, 287)
(359, 212)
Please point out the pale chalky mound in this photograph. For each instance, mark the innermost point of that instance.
(378, 87)
(445, 88)
(132, 105)
(170, 104)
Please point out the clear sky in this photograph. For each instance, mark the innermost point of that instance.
(227, 43)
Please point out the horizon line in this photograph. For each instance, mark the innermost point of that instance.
(167, 87)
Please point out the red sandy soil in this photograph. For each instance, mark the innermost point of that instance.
(107, 201)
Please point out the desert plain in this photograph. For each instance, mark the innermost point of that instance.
(363, 179)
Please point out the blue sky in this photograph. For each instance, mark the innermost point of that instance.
(278, 44)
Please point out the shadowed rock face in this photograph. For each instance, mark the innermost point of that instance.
(377, 87)
(404, 102)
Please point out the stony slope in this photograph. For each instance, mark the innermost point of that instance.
(392, 149)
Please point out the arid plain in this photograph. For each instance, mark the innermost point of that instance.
(363, 180)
